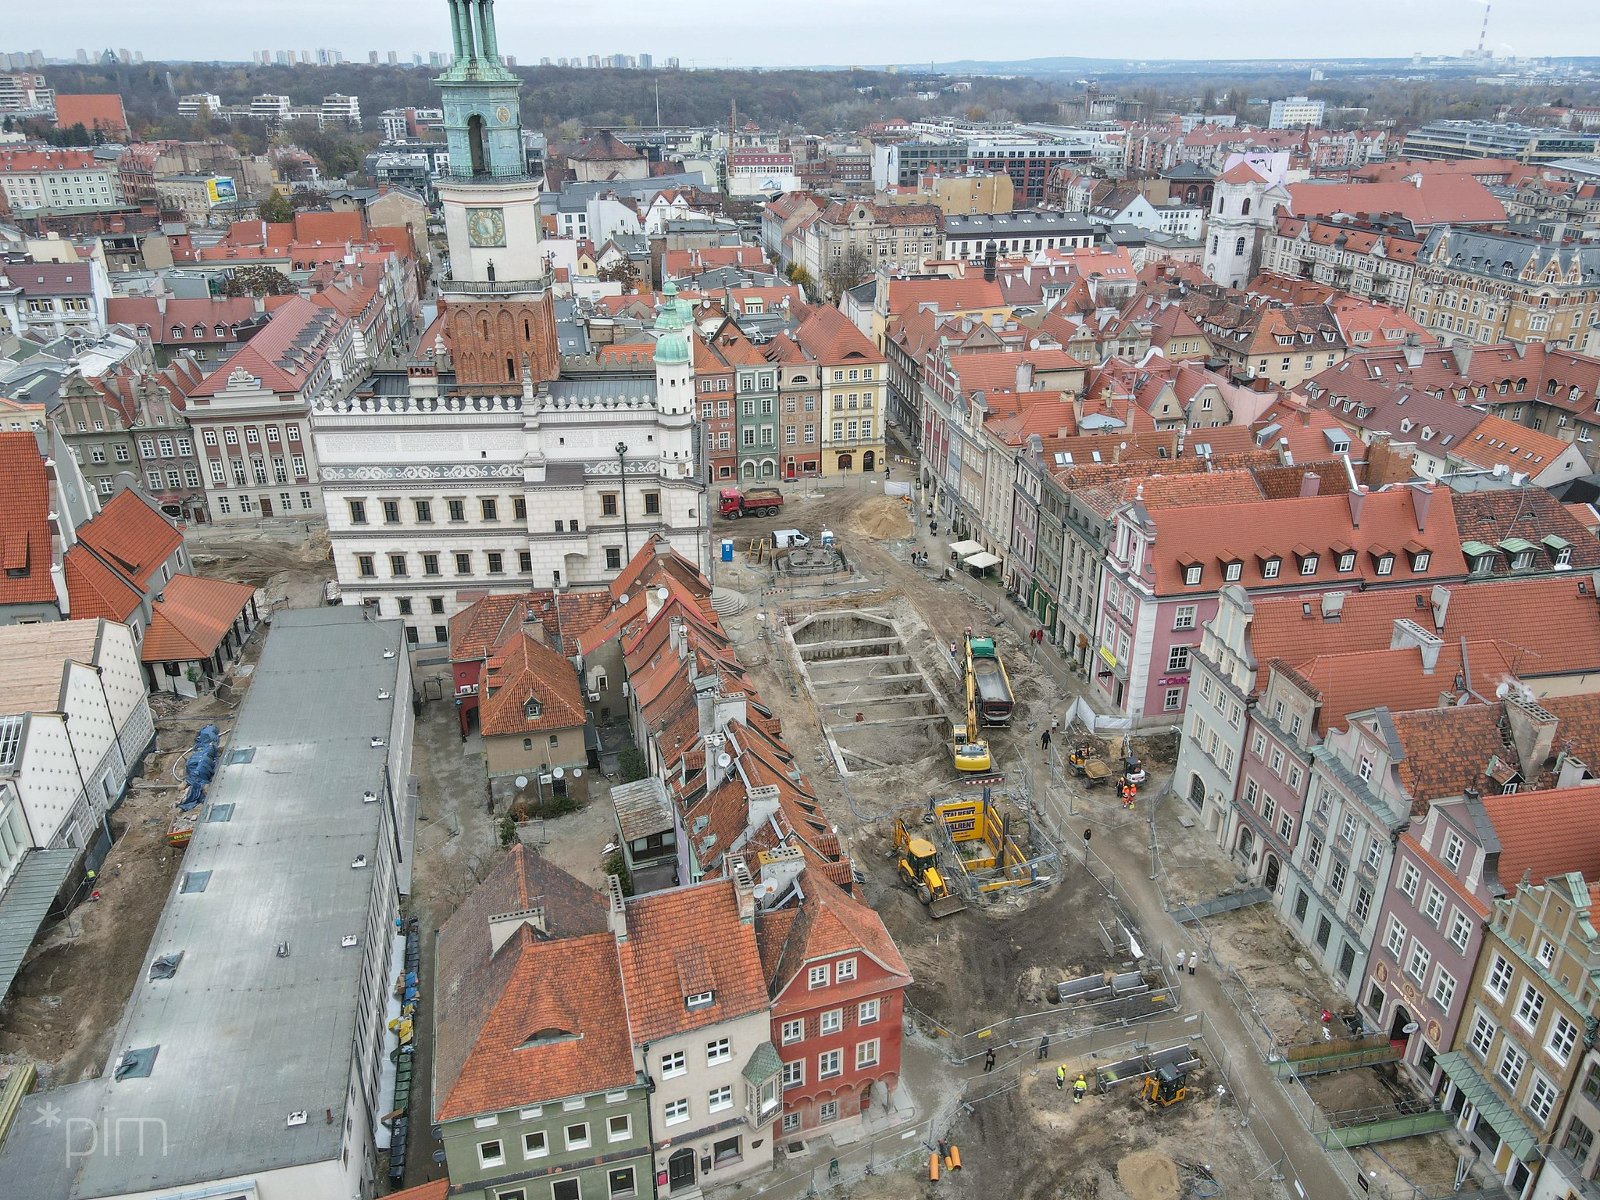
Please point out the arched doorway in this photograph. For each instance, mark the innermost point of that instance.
(868, 459)
(680, 1170)
(477, 145)
(1197, 790)
(769, 469)
(1270, 879)
(749, 470)
(846, 462)
(1247, 843)
(1401, 1028)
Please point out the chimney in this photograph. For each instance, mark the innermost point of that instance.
(1533, 732)
(1573, 771)
(1421, 502)
(616, 909)
(654, 599)
(1358, 498)
(1285, 455)
(1407, 633)
(744, 888)
(1309, 482)
(1024, 376)
(991, 253)
(504, 925)
(779, 868)
(1463, 355)
(1441, 605)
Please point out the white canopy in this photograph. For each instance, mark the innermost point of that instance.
(963, 549)
(982, 561)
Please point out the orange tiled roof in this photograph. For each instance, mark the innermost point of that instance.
(24, 522)
(524, 671)
(829, 337)
(192, 617)
(829, 923)
(130, 534)
(1523, 822)
(94, 589)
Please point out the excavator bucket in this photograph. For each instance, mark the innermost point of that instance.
(946, 906)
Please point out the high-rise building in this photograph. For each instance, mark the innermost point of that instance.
(372, 57)
(394, 59)
(646, 61)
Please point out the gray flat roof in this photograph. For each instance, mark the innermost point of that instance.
(244, 1037)
(24, 904)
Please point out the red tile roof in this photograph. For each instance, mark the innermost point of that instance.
(132, 536)
(176, 322)
(1438, 200)
(93, 112)
(829, 923)
(683, 943)
(1523, 822)
(284, 355)
(192, 617)
(25, 551)
(94, 589)
(1498, 442)
(829, 337)
(527, 671)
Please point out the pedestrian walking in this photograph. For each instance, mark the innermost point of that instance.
(1194, 960)
(1044, 739)
(1061, 1077)
(1080, 1089)
(1055, 724)
(1183, 957)
(1044, 1047)
(988, 1060)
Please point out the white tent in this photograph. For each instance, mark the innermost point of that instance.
(962, 549)
(982, 561)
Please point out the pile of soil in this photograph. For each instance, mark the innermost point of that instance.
(884, 518)
(1146, 1175)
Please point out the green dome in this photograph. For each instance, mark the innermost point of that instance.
(672, 349)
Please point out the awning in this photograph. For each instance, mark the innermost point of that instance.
(1463, 1072)
(962, 549)
(24, 905)
(981, 561)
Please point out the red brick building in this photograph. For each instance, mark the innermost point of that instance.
(838, 992)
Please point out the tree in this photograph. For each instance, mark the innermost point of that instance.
(276, 208)
(624, 271)
(257, 281)
(844, 272)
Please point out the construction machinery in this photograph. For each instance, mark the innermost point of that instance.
(917, 861)
(732, 503)
(1165, 1086)
(969, 750)
(986, 677)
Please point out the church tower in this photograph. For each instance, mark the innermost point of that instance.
(497, 299)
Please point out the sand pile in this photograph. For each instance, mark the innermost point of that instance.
(883, 518)
(1146, 1175)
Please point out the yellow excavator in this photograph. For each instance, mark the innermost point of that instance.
(969, 750)
(918, 867)
(1165, 1088)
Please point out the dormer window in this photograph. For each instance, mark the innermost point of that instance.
(1419, 555)
(1232, 570)
(1270, 567)
(699, 1000)
(1347, 561)
(531, 708)
(1192, 572)
(1385, 564)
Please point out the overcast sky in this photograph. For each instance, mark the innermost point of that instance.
(871, 32)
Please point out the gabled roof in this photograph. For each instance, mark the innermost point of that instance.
(191, 618)
(687, 942)
(826, 924)
(502, 1012)
(1498, 442)
(1435, 200)
(132, 536)
(1523, 821)
(285, 353)
(94, 589)
(525, 671)
(25, 553)
(829, 337)
(604, 147)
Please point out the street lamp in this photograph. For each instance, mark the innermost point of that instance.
(622, 474)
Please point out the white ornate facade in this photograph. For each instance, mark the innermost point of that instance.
(434, 494)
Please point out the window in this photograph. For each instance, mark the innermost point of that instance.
(794, 1073)
(1409, 875)
(1498, 981)
(719, 1051)
(210, 438)
(791, 1122)
(726, 1151)
(1460, 930)
(674, 1064)
(577, 1136)
(830, 1063)
(252, 435)
(620, 1183)
(366, 567)
(1417, 964)
(1363, 903)
(1444, 989)
(1512, 1062)
(1191, 575)
(867, 1012)
(1313, 852)
(818, 976)
(832, 1021)
(1293, 778)
(1563, 1034)
(608, 504)
(1269, 569)
(1453, 846)
(793, 1031)
(677, 1111)
(720, 1099)
(424, 511)
(652, 503)
(497, 562)
(1578, 1142)
(519, 508)
(535, 1145)
(490, 508)
(1433, 905)
(1481, 1039)
(1530, 1006)
(1337, 876)
(404, 603)
(867, 1054)
(1395, 937)
(1178, 658)
(1172, 699)
(613, 558)
(491, 1154)
(397, 565)
(430, 563)
(845, 969)
(1258, 745)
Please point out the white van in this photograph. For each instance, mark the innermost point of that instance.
(784, 539)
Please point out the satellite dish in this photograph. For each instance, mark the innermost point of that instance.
(1502, 691)
(622, 599)
(724, 761)
(663, 595)
(1410, 1027)
(522, 782)
(559, 773)
(577, 772)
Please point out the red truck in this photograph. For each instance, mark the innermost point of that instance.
(757, 502)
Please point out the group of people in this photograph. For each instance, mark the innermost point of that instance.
(1080, 1086)
(1127, 791)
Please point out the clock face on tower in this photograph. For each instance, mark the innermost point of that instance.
(486, 227)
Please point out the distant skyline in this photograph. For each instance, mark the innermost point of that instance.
(712, 33)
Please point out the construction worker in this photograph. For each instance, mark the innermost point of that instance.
(988, 1060)
(1044, 1047)
(1061, 1077)
(1080, 1088)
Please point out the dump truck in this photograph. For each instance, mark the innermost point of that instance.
(918, 867)
(969, 750)
(757, 502)
(986, 675)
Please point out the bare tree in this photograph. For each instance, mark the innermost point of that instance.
(844, 272)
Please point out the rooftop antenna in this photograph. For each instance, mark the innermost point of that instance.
(1483, 33)
(658, 103)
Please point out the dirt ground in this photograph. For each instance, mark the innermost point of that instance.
(76, 980)
(289, 564)
(1254, 943)
(1364, 1089)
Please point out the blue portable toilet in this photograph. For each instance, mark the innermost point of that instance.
(727, 550)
